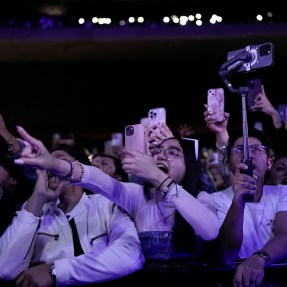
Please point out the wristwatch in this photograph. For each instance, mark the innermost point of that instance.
(263, 254)
(10, 146)
(52, 272)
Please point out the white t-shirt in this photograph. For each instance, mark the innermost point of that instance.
(259, 218)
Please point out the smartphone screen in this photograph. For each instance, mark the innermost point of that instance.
(254, 88)
(135, 137)
(215, 102)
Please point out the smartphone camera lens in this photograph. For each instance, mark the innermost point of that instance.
(129, 130)
(264, 50)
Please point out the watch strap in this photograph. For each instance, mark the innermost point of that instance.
(263, 254)
(52, 272)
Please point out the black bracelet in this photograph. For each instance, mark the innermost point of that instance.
(69, 176)
(162, 183)
(165, 190)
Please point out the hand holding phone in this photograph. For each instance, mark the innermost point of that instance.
(215, 102)
(254, 88)
(248, 197)
(156, 116)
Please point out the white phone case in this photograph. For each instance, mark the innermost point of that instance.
(157, 115)
(117, 139)
(215, 102)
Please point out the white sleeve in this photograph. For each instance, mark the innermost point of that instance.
(125, 194)
(198, 214)
(16, 244)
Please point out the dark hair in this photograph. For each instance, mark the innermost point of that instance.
(184, 238)
(279, 156)
(24, 187)
(76, 151)
(252, 132)
(3, 149)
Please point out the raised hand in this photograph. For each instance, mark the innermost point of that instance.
(34, 153)
(157, 133)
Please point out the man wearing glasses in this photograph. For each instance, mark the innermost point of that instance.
(255, 232)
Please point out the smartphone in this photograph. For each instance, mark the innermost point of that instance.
(144, 121)
(156, 116)
(254, 88)
(135, 137)
(117, 139)
(282, 112)
(215, 102)
(261, 56)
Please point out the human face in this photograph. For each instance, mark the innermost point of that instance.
(278, 172)
(169, 157)
(260, 160)
(106, 164)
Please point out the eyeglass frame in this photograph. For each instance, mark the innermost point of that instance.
(264, 148)
(178, 152)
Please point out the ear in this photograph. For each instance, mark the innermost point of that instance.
(269, 163)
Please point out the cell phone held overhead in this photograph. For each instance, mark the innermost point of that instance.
(156, 116)
(254, 88)
(215, 102)
(135, 137)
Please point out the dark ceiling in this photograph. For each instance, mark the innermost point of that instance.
(97, 80)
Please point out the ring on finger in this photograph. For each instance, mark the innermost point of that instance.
(242, 184)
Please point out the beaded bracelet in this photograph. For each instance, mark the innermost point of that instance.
(162, 183)
(69, 175)
(164, 192)
(82, 172)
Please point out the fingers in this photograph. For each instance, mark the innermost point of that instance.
(25, 135)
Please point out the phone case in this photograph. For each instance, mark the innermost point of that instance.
(282, 112)
(144, 121)
(117, 139)
(135, 137)
(215, 102)
(157, 115)
(255, 87)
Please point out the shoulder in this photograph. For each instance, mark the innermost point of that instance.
(275, 190)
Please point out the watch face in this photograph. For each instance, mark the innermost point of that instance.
(264, 255)
(52, 271)
(9, 146)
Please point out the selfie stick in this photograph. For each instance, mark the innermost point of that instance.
(226, 68)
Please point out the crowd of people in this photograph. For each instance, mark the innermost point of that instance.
(72, 218)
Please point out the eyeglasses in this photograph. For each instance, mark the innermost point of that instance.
(169, 153)
(255, 149)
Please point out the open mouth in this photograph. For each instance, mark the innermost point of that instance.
(163, 168)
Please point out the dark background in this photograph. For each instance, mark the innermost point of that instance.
(97, 80)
